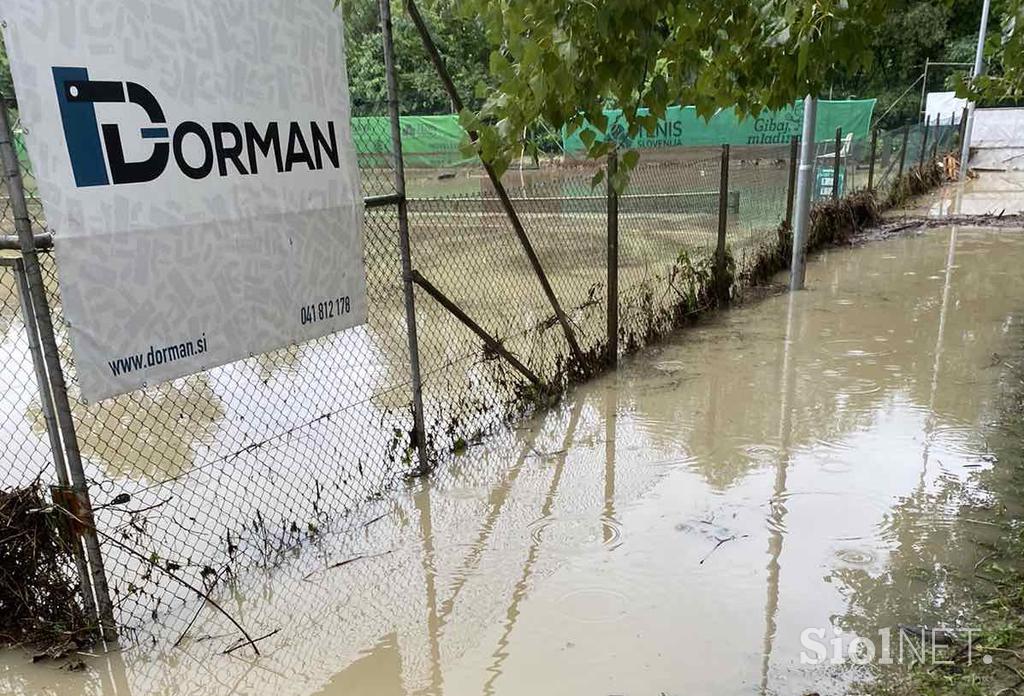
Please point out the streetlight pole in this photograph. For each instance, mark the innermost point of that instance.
(979, 62)
(804, 184)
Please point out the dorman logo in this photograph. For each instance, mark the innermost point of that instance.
(97, 151)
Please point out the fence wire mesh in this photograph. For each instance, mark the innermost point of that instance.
(219, 473)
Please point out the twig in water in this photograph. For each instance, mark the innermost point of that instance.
(181, 637)
(720, 542)
(339, 564)
(241, 644)
(375, 519)
(983, 559)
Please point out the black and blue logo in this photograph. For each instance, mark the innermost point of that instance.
(98, 155)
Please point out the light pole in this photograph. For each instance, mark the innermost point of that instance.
(979, 62)
(804, 184)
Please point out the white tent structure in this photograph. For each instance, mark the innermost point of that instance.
(997, 143)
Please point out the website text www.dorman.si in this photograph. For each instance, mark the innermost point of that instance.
(158, 356)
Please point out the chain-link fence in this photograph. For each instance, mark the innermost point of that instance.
(197, 480)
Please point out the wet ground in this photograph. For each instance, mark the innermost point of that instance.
(809, 461)
(991, 193)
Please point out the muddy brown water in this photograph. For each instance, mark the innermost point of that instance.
(810, 461)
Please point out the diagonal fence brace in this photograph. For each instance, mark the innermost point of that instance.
(506, 203)
(488, 340)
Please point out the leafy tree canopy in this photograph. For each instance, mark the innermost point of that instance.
(465, 48)
(1004, 50)
(563, 61)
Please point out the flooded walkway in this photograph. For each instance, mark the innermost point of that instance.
(804, 462)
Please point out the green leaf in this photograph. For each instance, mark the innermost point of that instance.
(620, 181)
(597, 179)
(629, 160)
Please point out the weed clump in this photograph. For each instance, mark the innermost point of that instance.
(40, 603)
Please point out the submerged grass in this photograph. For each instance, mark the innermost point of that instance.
(995, 663)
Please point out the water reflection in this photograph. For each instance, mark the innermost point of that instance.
(802, 462)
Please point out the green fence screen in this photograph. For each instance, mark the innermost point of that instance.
(683, 127)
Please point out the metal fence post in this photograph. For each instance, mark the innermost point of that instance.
(924, 142)
(794, 155)
(52, 429)
(871, 160)
(903, 153)
(58, 387)
(404, 246)
(804, 186)
(721, 281)
(613, 261)
(961, 133)
(837, 163)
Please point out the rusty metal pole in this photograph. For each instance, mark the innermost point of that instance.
(52, 429)
(963, 127)
(903, 153)
(794, 155)
(871, 160)
(613, 261)
(924, 143)
(405, 248)
(721, 281)
(837, 163)
(58, 386)
(506, 203)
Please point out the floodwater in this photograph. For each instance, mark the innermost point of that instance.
(809, 461)
(993, 193)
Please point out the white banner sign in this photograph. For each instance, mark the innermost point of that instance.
(196, 166)
(944, 108)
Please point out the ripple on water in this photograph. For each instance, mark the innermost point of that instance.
(576, 531)
(834, 466)
(856, 557)
(670, 366)
(594, 605)
(857, 348)
(762, 452)
(860, 387)
(959, 438)
(851, 526)
(829, 448)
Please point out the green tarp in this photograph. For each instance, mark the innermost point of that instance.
(433, 141)
(682, 127)
(427, 141)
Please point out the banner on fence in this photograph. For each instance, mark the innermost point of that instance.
(682, 127)
(427, 141)
(944, 108)
(196, 166)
